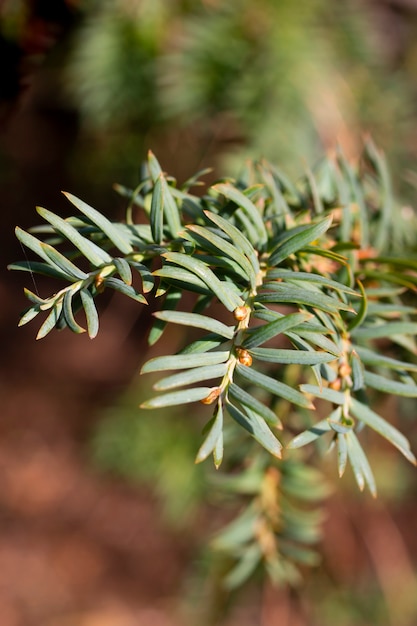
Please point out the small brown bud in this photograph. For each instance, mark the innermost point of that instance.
(98, 282)
(213, 395)
(345, 370)
(244, 357)
(336, 384)
(240, 313)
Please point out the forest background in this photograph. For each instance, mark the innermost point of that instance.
(101, 521)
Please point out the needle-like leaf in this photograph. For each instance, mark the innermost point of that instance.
(299, 241)
(102, 223)
(182, 361)
(219, 288)
(197, 321)
(257, 427)
(177, 397)
(96, 255)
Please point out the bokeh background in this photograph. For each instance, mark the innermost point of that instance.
(102, 511)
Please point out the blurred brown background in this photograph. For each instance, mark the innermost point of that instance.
(96, 527)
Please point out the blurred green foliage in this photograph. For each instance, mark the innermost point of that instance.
(277, 79)
(125, 445)
(206, 80)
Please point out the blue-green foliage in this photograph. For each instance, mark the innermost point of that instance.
(309, 287)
